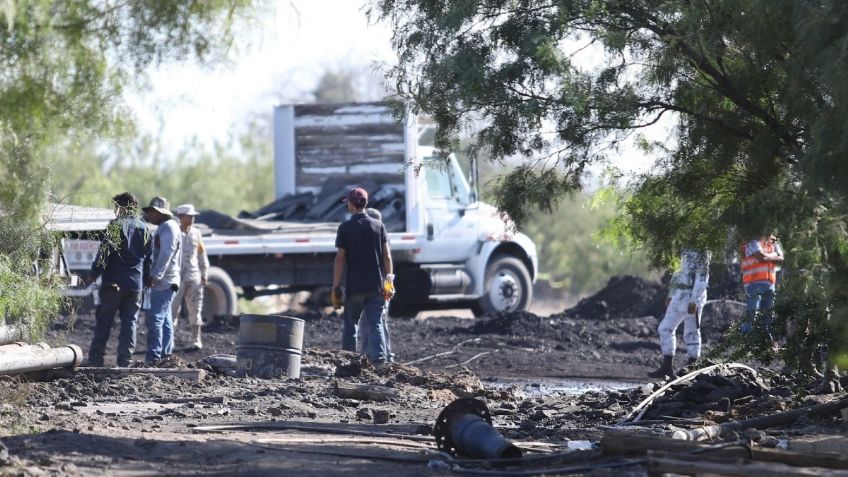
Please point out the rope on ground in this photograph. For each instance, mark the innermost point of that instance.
(438, 355)
(476, 356)
(644, 405)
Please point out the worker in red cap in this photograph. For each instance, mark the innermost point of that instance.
(363, 252)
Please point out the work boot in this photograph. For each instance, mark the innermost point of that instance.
(664, 370)
(196, 344)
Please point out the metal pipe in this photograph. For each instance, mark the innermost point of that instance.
(464, 427)
(20, 346)
(33, 359)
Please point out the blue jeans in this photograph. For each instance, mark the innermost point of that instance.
(760, 297)
(160, 326)
(370, 308)
(113, 301)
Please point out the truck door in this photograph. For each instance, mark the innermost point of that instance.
(451, 232)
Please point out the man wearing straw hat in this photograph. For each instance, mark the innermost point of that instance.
(164, 280)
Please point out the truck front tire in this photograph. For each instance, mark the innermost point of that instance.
(507, 287)
(219, 294)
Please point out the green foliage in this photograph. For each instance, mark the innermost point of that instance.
(65, 65)
(572, 252)
(228, 177)
(755, 89)
(29, 294)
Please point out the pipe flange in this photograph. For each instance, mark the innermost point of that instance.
(444, 423)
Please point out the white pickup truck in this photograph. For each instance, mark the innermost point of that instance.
(450, 250)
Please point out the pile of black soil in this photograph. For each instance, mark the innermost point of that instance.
(624, 296)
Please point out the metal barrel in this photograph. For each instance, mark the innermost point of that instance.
(269, 346)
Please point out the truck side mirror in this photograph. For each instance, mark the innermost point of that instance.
(430, 232)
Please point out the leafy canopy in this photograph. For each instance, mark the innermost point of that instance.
(64, 65)
(755, 90)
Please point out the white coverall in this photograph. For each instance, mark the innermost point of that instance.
(688, 285)
(194, 263)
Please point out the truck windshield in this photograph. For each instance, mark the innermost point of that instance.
(445, 180)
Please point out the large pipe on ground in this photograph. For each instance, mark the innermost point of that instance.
(19, 346)
(464, 427)
(34, 359)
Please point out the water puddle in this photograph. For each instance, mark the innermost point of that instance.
(544, 386)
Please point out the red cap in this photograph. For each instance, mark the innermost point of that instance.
(358, 196)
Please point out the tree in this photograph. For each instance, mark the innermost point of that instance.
(65, 65)
(755, 90)
(336, 86)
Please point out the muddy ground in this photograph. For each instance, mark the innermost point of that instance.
(143, 425)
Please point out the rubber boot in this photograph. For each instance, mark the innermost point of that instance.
(196, 344)
(664, 370)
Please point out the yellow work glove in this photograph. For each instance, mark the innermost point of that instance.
(337, 298)
(389, 287)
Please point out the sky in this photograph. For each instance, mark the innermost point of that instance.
(276, 60)
(280, 59)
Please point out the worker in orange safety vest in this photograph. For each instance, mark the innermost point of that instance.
(759, 275)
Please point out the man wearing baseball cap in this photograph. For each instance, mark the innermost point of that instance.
(363, 251)
(193, 266)
(164, 280)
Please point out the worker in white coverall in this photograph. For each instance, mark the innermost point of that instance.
(687, 297)
(194, 266)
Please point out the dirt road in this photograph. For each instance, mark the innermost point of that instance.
(92, 424)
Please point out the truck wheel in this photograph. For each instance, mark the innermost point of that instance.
(399, 309)
(507, 287)
(219, 294)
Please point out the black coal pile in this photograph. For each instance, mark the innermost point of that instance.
(722, 394)
(512, 323)
(325, 207)
(623, 297)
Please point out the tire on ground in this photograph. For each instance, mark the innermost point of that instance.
(508, 287)
(219, 295)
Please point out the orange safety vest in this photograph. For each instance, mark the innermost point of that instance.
(754, 270)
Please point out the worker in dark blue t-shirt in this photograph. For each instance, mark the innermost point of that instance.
(363, 249)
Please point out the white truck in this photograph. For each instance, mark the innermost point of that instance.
(449, 249)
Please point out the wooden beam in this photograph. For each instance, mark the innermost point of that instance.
(623, 443)
(660, 463)
(365, 392)
(189, 374)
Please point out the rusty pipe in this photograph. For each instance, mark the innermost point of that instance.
(34, 359)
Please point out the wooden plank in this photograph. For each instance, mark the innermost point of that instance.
(688, 464)
(317, 180)
(189, 374)
(365, 392)
(326, 109)
(623, 443)
(346, 137)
